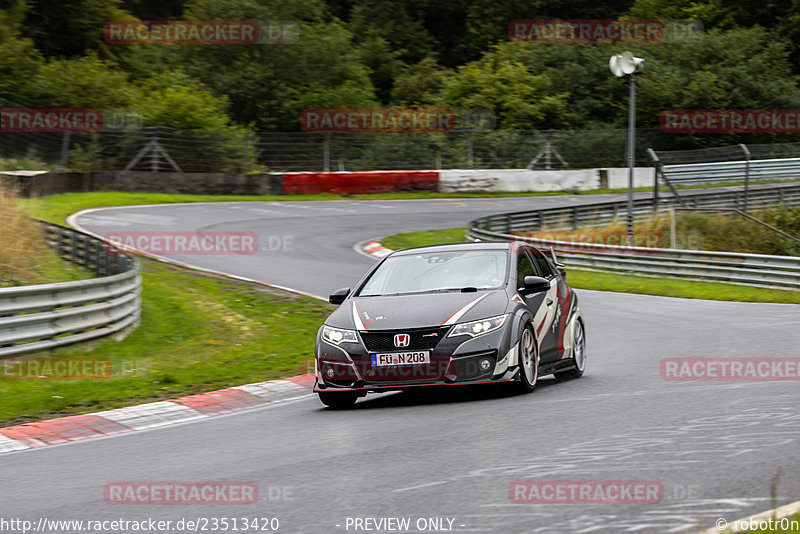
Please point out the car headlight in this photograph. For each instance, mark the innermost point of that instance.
(338, 335)
(478, 328)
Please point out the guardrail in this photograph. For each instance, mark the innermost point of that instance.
(731, 163)
(730, 171)
(732, 267)
(603, 213)
(45, 316)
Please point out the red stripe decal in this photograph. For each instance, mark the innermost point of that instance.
(562, 323)
(360, 317)
(461, 308)
(539, 329)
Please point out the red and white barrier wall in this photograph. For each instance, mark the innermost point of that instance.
(343, 182)
(452, 181)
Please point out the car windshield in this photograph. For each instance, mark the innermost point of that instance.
(438, 271)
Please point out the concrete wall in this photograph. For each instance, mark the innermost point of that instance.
(141, 182)
(197, 183)
(538, 180)
(35, 185)
(642, 177)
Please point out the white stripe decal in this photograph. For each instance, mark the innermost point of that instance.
(460, 313)
(357, 318)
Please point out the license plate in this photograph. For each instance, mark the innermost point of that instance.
(400, 358)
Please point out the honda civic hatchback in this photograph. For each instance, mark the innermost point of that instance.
(449, 315)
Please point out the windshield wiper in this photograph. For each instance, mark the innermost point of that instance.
(468, 289)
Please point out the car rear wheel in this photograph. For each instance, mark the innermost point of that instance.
(578, 354)
(528, 360)
(341, 400)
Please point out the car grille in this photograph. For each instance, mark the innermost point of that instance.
(421, 339)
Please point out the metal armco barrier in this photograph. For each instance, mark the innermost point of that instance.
(50, 315)
(731, 171)
(733, 267)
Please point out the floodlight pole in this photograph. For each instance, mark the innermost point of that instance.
(631, 156)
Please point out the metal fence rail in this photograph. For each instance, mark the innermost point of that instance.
(730, 171)
(50, 315)
(733, 267)
(733, 163)
(603, 213)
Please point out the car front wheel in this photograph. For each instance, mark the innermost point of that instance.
(578, 354)
(528, 360)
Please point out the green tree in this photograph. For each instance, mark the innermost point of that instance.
(175, 100)
(520, 99)
(84, 82)
(383, 63)
(69, 28)
(269, 85)
(782, 18)
(154, 9)
(419, 85)
(398, 22)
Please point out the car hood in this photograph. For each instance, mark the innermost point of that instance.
(417, 311)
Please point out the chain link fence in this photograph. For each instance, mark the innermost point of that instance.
(167, 149)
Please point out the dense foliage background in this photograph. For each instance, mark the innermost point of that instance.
(417, 53)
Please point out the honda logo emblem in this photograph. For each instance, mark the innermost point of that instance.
(402, 340)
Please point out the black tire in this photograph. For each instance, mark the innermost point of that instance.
(578, 355)
(341, 400)
(528, 360)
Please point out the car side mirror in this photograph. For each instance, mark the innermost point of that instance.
(338, 296)
(563, 272)
(536, 284)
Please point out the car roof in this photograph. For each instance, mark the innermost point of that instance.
(480, 245)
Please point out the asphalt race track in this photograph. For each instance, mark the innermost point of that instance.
(715, 446)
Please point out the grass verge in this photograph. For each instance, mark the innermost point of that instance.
(56, 208)
(621, 283)
(198, 333)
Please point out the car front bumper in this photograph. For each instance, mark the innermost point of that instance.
(453, 361)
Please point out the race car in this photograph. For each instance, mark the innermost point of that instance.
(449, 315)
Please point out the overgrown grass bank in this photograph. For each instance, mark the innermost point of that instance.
(197, 333)
(24, 257)
(699, 231)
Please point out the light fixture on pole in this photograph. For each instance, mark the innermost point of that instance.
(621, 65)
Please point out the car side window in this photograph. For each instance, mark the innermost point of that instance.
(524, 268)
(545, 270)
